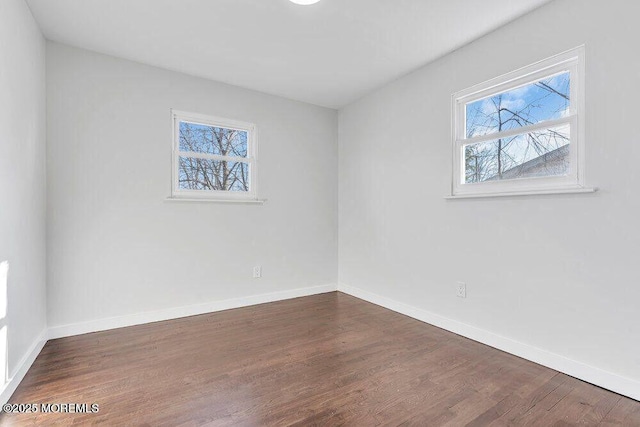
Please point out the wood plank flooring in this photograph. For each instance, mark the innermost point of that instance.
(329, 359)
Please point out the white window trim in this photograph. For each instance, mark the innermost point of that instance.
(213, 195)
(571, 61)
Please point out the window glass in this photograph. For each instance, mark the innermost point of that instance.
(543, 152)
(206, 174)
(220, 141)
(547, 99)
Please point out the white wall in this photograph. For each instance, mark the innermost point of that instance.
(558, 272)
(22, 180)
(116, 247)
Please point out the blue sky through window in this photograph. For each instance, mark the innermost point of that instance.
(541, 152)
(228, 173)
(212, 140)
(536, 102)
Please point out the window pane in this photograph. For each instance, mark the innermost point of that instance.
(207, 174)
(212, 140)
(546, 99)
(535, 154)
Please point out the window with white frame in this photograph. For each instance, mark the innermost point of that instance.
(213, 158)
(523, 132)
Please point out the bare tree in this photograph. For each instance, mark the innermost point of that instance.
(197, 173)
(505, 157)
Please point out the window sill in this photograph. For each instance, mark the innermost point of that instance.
(522, 193)
(212, 200)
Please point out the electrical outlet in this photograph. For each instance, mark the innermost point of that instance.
(257, 272)
(461, 290)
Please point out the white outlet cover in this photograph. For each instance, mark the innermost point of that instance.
(461, 290)
(257, 272)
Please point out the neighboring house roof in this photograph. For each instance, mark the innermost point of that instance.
(552, 163)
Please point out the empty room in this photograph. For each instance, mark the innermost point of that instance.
(319, 212)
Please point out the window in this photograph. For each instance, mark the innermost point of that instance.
(522, 133)
(213, 158)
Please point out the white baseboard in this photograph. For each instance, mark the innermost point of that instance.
(178, 312)
(616, 383)
(23, 367)
(599, 377)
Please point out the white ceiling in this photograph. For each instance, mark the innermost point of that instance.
(328, 54)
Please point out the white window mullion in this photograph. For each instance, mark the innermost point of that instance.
(548, 124)
(213, 157)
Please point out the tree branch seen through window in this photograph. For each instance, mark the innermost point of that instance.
(213, 157)
(196, 173)
(539, 153)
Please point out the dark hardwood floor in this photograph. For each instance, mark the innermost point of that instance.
(329, 359)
